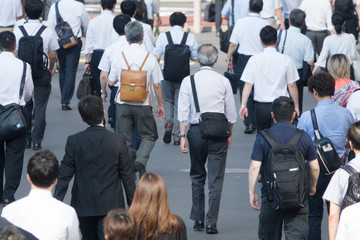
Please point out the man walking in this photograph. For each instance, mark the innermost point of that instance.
(10, 12)
(214, 95)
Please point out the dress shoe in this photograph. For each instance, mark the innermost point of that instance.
(211, 229)
(66, 107)
(28, 144)
(36, 146)
(168, 130)
(199, 225)
(111, 122)
(249, 129)
(176, 142)
(139, 168)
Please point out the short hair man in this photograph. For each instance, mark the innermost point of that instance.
(333, 122)
(214, 95)
(246, 37)
(42, 83)
(271, 74)
(74, 13)
(170, 89)
(271, 220)
(10, 12)
(100, 161)
(12, 150)
(98, 37)
(40, 213)
(299, 48)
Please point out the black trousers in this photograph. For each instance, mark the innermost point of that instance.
(92, 228)
(215, 152)
(262, 112)
(11, 160)
(240, 66)
(95, 71)
(218, 7)
(351, 26)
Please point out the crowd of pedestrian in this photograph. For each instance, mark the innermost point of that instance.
(277, 48)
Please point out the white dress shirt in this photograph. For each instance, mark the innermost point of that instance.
(148, 31)
(135, 56)
(270, 72)
(348, 228)
(177, 34)
(214, 95)
(318, 14)
(152, 8)
(269, 7)
(73, 13)
(43, 216)
(354, 106)
(289, 5)
(9, 11)
(32, 27)
(99, 32)
(338, 43)
(246, 33)
(10, 80)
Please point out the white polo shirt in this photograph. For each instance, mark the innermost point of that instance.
(246, 33)
(270, 72)
(9, 11)
(135, 56)
(318, 14)
(269, 7)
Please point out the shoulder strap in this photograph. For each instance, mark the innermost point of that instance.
(23, 31)
(22, 84)
(314, 122)
(356, 90)
(168, 36)
(349, 169)
(58, 16)
(127, 64)
(232, 13)
(193, 87)
(183, 41)
(279, 36)
(147, 55)
(42, 28)
(295, 138)
(283, 47)
(269, 137)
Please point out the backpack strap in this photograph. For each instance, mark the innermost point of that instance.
(22, 84)
(279, 37)
(42, 28)
(295, 138)
(269, 137)
(127, 64)
(183, 41)
(147, 55)
(317, 133)
(283, 47)
(349, 169)
(193, 88)
(23, 31)
(58, 16)
(168, 36)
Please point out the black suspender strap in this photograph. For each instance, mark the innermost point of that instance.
(193, 87)
(183, 41)
(22, 84)
(168, 36)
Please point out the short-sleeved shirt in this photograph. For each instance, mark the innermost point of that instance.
(318, 14)
(282, 131)
(269, 8)
(241, 9)
(9, 11)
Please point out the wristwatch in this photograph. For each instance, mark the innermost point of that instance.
(182, 135)
(102, 92)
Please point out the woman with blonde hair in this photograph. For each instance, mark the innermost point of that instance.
(339, 68)
(150, 209)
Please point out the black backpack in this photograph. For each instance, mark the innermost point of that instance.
(176, 59)
(285, 177)
(31, 51)
(345, 7)
(352, 195)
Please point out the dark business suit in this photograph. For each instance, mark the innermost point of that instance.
(101, 163)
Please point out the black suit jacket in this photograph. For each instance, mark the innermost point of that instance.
(27, 235)
(101, 162)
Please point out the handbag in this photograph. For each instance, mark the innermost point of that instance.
(231, 76)
(84, 87)
(212, 125)
(225, 36)
(12, 120)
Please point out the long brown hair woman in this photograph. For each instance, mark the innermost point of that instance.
(150, 208)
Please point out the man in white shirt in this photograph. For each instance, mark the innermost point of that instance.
(170, 88)
(137, 114)
(98, 37)
(287, 7)
(246, 39)
(75, 15)
(42, 80)
(10, 12)
(271, 9)
(12, 150)
(153, 8)
(214, 95)
(273, 75)
(40, 213)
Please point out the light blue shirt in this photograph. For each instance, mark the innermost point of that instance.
(297, 46)
(241, 9)
(333, 122)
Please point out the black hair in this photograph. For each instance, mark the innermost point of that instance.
(7, 41)
(43, 169)
(34, 8)
(323, 83)
(11, 232)
(353, 135)
(108, 4)
(128, 7)
(297, 18)
(283, 109)
(119, 23)
(177, 19)
(338, 20)
(268, 35)
(256, 6)
(139, 13)
(91, 110)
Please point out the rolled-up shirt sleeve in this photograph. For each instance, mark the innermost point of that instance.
(184, 102)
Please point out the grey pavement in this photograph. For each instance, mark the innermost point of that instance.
(237, 220)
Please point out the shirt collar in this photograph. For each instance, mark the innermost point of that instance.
(107, 12)
(325, 102)
(295, 29)
(206, 68)
(40, 193)
(7, 54)
(177, 28)
(254, 14)
(269, 49)
(32, 21)
(283, 124)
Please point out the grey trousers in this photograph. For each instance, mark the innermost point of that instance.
(142, 118)
(215, 152)
(317, 39)
(170, 93)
